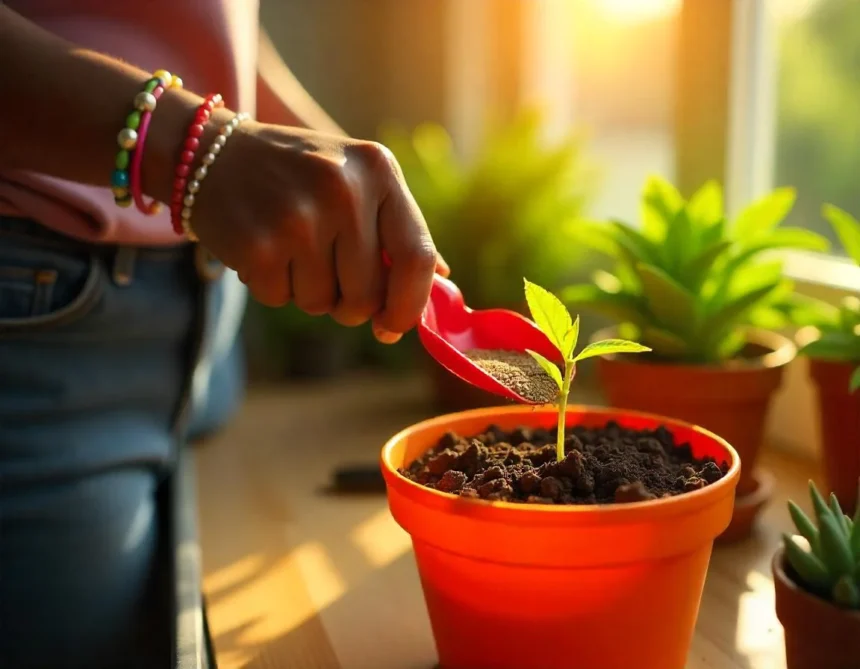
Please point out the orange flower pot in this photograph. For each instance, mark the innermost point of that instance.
(839, 420)
(731, 399)
(515, 586)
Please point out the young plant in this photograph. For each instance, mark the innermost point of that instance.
(554, 320)
(830, 565)
(839, 327)
(687, 282)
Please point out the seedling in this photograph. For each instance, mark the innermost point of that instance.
(555, 321)
(686, 282)
(839, 327)
(830, 565)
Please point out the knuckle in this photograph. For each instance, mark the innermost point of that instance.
(377, 157)
(421, 258)
(261, 251)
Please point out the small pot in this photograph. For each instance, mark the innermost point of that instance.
(818, 634)
(839, 421)
(515, 586)
(730, 399)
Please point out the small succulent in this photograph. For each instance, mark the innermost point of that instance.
(687, 281)
(554, 320)
(830, 565)
(838, 326)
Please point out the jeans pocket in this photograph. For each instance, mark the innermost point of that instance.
(44, 285)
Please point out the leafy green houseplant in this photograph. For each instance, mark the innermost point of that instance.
(562, 330)
(497, 216)
(700, 290)
(688, 281)
(831, 342)
(817, 580)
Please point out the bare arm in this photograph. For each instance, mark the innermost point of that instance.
(281, 99)
(63, 107)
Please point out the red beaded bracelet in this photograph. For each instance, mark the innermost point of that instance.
(186, 158)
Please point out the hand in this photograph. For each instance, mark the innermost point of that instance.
(305, 217)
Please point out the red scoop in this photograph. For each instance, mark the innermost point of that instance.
(448, 328)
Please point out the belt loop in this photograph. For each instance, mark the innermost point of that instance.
(123, 265)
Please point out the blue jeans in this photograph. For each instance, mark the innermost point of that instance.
(98, 352)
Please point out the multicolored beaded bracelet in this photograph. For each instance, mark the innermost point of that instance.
(128, 138)
(186, 158)
(212, 153)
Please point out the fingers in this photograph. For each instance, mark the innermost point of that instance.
(442, 267)
(360, 278)
(404, 236)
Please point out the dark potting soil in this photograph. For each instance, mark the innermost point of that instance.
(517, 371)
(602, 465)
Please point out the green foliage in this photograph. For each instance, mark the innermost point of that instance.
(554, 320)
(687, 282)
(830, 565)
(499, 216)
(838, 327)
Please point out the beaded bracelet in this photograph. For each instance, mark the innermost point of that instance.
(186, 158)
(129, 137)
(212, 153)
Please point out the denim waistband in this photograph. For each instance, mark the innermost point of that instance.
(121, 259)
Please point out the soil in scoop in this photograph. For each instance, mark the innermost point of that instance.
(517, 371)
(601, 465)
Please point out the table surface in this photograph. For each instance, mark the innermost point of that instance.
(299, 578)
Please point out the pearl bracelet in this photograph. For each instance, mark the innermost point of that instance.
(193, 186)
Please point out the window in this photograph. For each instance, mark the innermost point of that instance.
(817, 121)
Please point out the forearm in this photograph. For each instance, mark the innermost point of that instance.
(281, 99)
(63, 107)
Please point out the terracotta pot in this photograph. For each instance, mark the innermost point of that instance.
(514, 586)
(731, 400)
(839, 421)
(818, 634)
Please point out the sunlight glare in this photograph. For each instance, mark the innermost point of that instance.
(380, 539)
(756, 630)
(635, 11)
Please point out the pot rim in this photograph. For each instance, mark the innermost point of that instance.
(782, 351)
(627, 512)
(781, 574)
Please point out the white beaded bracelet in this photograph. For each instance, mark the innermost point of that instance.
(200, 173)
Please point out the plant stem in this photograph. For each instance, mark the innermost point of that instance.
(562, 409)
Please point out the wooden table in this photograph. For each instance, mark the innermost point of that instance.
(300, 579)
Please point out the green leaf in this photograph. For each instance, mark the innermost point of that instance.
(694, 272)
(548, 312)
(784, 238)
(668, 300)
(549, 368)
(835, 549)
(855, 531)
(734, 310)
(818, 504)
(847, 228)
(809, 568)
(846, 593)
(834, 346)
(805, 526)
(619, 306)
(660, 201)
(765, 213)
(837, 513)
(665, 343)
(804, 310)
(679, 240)
(855, 383)
(570, 339)
(610, 347)
(706, 205)
(638, 247)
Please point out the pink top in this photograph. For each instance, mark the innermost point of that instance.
(211, 44)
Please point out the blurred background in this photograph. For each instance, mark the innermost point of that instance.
(514, 119)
